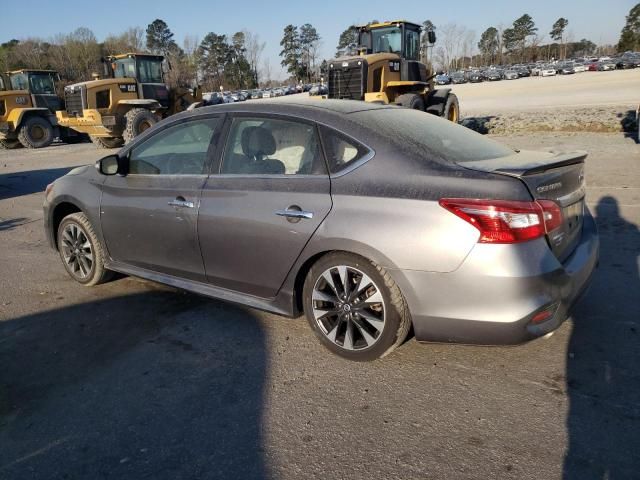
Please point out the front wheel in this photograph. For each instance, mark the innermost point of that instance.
(137, 120)
(36, 132)
(354, 307)
(411, 100)
(107, 142)
(452, 108)
(80, 250)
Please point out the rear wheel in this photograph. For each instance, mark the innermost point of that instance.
(10, 144)
(354, 307)
(35, 132)
(80, 250)
(411, 100)
(107, 142)
(137, 120)
(452, 108)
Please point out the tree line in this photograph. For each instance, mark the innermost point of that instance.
(236, 61)
(218, 60)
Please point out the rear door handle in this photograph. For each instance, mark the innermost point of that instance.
(295, 214)
(181, 203)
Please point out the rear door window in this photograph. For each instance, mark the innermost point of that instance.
(341, 151)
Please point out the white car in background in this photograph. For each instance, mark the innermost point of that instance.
(579, 67)
(547, 71)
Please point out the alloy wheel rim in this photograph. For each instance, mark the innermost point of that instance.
(77, 251)
(348, 308)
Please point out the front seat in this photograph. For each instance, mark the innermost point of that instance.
(258, 142)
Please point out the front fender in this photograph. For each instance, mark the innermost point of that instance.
(17, 116)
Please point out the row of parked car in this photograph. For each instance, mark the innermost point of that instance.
(216, 98)
(513, 72)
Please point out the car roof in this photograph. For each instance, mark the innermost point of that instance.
(296, 106)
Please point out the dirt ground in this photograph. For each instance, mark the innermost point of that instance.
(133, 380)
(584, 90)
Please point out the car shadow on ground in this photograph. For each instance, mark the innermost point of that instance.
(12, 223)
(629, 125)
(158, 384)
(18, 184)
(478, 124)
(602, 379)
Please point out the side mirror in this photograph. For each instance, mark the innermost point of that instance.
(108, 165)
(431, 36)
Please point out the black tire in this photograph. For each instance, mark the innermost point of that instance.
(395, 313)
(137, 120)
(452, 108)
(10, 144)
(69, 249)
(411, 100)
(36, 132)
(107, 142)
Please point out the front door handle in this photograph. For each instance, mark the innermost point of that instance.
(297, 214)
(181, 202)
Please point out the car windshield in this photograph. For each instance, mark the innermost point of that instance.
(388, 40)
(439, 138)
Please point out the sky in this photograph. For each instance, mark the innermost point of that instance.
(597, 20)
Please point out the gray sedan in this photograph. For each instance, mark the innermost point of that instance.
(370, 219)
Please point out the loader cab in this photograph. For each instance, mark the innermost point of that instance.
(400, 37)
(146, 70)
(41, 85)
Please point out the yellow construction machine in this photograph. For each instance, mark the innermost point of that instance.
(385, 67)
(132, 98)
(28, 102)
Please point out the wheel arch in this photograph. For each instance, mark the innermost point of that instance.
(19, 115)
(58, 213)
(306, 262)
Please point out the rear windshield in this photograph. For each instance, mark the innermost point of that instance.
(425, 134)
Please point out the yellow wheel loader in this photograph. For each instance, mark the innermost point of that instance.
(133, 97)
(28, 102)
(386, 68)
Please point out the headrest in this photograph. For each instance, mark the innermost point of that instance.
(257, 141)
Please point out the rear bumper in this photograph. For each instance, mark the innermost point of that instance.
(494, 295)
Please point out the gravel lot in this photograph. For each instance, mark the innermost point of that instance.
(136, 380)
(584, 102)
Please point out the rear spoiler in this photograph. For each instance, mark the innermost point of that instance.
(526, 162)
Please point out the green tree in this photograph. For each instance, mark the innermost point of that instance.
(291, 52)
(160, 38)
(489, 44)
(510, 40)
(427, 26)
(523, 27)
(557, 33)
(630, 35)
(309, 41)
(213, 56)
(348, 37)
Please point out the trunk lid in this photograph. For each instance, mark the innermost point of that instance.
(548, 176)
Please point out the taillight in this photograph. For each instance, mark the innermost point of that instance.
(506, 221)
